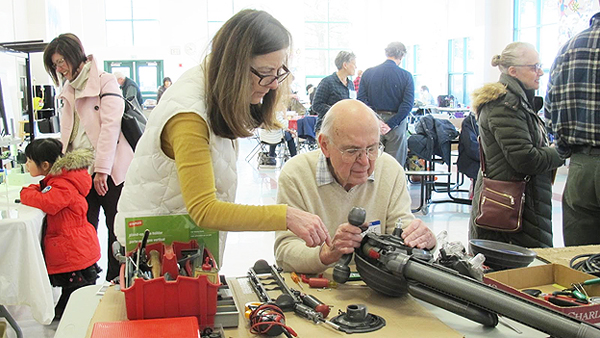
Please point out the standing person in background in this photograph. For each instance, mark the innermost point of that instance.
(573, 103)
(90, 122)
(335, 87)
(186, 160)
(129, 88)
(161, 90)
(390, 91)
(70, 243)
(357, 80)
(515, 145)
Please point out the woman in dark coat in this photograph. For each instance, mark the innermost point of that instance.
(515, 144)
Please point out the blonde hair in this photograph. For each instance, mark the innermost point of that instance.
(511, 55)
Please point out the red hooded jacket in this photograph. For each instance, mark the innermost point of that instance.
(71, 242)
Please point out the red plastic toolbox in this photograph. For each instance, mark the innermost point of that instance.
(159, 298)
(185, 327)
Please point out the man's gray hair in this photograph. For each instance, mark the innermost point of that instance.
(119, 75)
(396, 50)
(329, 121)
(342, 57)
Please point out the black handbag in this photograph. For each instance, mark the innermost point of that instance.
(501, 202)
(133, 122)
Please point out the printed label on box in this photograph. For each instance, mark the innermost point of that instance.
(169, 228)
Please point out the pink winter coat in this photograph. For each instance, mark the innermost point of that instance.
(101, 120)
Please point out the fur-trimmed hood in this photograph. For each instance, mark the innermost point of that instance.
(76, 159)
(488, 93)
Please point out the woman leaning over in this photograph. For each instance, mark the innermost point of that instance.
(515, 144)
(87, 121)
(186, 159)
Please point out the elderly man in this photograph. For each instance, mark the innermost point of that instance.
(349, 170)
(129, 88)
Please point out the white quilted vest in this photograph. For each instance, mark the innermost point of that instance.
(151, 185)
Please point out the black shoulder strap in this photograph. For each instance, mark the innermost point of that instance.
(111, 94)
(481, 155)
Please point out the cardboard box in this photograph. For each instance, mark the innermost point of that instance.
(547, 278)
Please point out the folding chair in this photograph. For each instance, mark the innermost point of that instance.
(270, 138)
(307, 140)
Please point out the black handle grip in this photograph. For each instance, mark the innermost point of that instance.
(341, 271)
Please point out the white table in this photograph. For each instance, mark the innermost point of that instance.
(23, 275)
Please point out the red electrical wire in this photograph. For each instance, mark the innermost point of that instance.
(266, 317)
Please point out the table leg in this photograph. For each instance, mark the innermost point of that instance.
(4, 313)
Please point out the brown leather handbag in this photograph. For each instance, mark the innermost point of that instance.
(501, 203)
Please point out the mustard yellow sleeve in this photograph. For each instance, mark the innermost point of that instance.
(186, 139)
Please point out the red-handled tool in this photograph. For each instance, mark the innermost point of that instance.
(318, 282)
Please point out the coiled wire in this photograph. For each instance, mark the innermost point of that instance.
(588, 263)
(269, 319)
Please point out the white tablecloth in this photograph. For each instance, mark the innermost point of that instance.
(23, 275)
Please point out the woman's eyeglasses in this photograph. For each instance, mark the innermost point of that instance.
(266, 80)
(58, 63)
(535, 67)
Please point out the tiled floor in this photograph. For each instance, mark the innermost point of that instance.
(244, 248)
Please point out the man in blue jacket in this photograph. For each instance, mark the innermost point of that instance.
(390, 91)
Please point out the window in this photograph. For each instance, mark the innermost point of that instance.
(327, 31)
(132, 22)
(148, 74)
(412, 62)
(460, 70)
(536, 22)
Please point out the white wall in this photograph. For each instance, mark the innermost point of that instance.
(184, 34)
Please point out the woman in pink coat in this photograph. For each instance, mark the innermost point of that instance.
(86, 121)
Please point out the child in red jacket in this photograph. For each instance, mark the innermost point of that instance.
(70, 243)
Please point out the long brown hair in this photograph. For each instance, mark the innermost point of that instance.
(69, 46)
(247, 34)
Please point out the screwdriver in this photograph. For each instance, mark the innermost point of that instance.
(310, 314)
(296, 280)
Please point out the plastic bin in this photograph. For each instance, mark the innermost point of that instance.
(159, 298)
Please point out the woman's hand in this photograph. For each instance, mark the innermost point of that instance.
(307, 226)
(101, 183)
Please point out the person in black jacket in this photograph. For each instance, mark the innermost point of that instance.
(468, 147)
(129, 88)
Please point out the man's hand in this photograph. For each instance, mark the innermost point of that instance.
(418, 235)
(347, 237)
(384, 128)
(307, 226)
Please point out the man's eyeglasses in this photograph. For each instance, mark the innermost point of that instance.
(535, 67)
(352, 154)
(266, 80)
(58, 63)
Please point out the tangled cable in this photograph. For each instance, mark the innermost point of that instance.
(590, 265)
(269, 319)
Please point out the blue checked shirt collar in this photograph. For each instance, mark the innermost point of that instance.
(324, 175)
